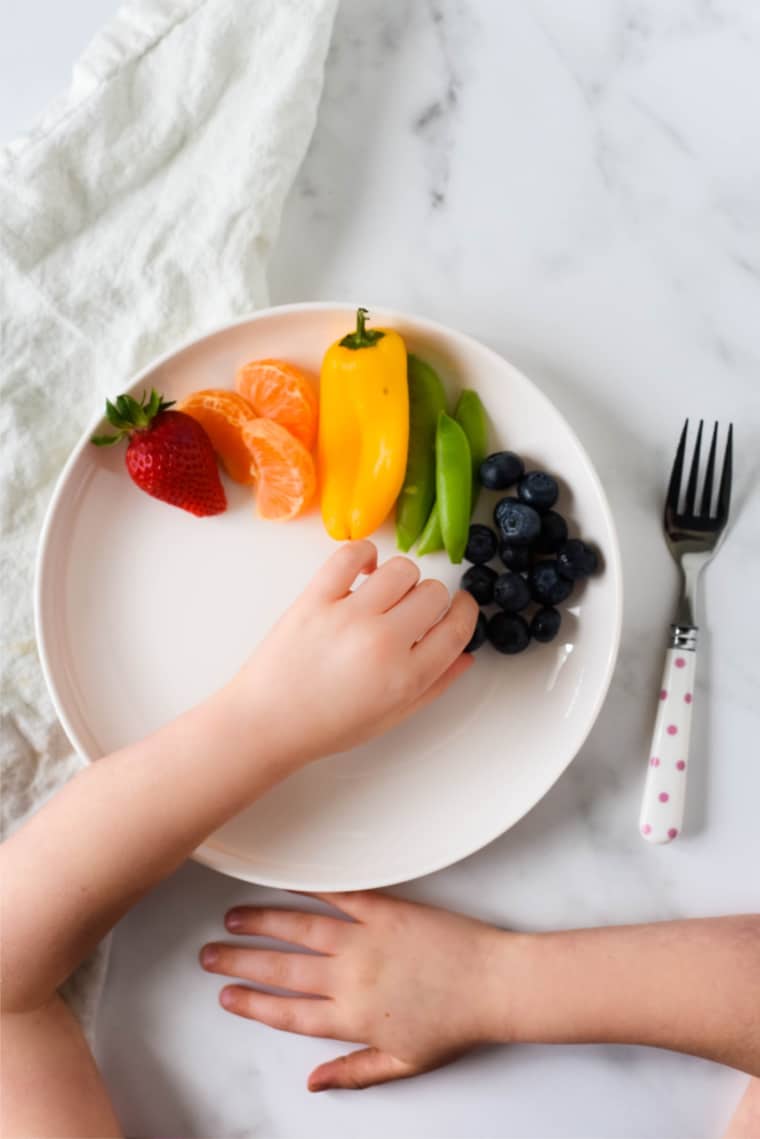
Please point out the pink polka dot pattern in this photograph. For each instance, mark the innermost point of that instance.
(666, 774)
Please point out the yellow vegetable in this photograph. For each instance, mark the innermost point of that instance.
(363, 429)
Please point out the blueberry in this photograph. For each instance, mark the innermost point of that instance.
(519, 524)
(553, 533)
(546, 585)
(515, 558)
(501, 470)
(481, 544)
(538, 489)
(577, 560)
(479, 581)
(508, 633)
(511, 591)
(545, 625)
(479, 635)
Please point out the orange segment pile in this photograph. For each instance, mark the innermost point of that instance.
(223, 414)
(280, 391)
(284, 470)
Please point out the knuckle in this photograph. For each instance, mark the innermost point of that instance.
(305, 925)
(437, 590)
(403, 567)
(284, 1018)
(277, 969)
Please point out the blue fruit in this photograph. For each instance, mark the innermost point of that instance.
(479, 581)
(545, 625)
(511, 592)
(501, 470)
(553, 533)
(538, 489)
(515, 558)
(508, 633)
(547, 586)
(479, 636)
(518, 524)
(481, 544)
(576, 560)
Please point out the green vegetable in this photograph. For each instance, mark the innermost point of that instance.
(453, 479)
(431, 538)
(426, 400)
(471, 416)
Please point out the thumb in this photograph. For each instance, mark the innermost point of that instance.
(359, 1069)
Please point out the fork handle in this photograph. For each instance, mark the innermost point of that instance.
(665, 788)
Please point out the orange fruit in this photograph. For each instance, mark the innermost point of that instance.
(285, 474)
(223, 414)
(280, 391)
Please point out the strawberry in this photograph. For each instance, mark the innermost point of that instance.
(169, 454)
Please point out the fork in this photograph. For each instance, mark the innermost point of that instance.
(692, 539)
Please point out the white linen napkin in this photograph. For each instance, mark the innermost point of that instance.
(139, 210)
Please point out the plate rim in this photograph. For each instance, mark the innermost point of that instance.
(208, 853)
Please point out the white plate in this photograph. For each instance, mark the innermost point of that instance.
(119, 574)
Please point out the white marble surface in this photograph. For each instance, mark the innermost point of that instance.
(577, 184)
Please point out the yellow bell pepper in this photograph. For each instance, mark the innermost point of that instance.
(363, 429)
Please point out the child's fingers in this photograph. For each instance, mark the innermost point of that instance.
(462, 664)
(306, 1015)
(420, 609)
(313, 931)
(354, 903)
(386, 586)
(359, 1069)
(341, 570)
(446, 641)
(295, 971)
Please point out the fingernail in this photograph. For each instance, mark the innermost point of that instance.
(234, 920)
(209, 956)
(227, 998)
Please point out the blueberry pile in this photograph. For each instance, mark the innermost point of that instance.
(540, 562)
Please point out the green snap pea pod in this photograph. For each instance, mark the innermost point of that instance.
(453, 480)
(431, 538)
(426, 400)
(471, 416)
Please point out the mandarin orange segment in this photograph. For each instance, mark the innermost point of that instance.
(284, 470)
(223, 414)
(282, 392)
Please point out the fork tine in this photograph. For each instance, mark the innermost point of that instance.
(674, 486)
(724, 492)
(707, 490)
(691, 486)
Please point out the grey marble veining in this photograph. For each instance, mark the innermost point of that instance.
(578, 185)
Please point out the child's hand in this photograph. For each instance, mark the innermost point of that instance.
(341, 667)
(414, 983)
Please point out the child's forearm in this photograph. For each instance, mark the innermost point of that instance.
(691, 986)
(118, 828)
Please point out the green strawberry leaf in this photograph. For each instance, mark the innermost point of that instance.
(106, 440)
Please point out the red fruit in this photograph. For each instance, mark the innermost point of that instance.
(169, 455)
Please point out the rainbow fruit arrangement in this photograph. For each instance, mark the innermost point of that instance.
(383, 437)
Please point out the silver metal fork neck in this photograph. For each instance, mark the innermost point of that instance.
(685, 629)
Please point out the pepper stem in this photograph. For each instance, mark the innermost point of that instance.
(362, 337)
